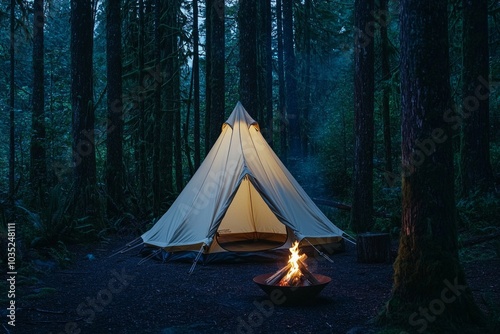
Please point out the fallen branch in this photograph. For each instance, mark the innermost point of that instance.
(333, 204)
(48, 311)
(34, 322)
(6, 329)
(346, 207)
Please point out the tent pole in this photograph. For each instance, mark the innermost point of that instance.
(196, 259)
(349, 238)
(320, 252)
(126, 248)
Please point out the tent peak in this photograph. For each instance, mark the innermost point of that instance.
(240, 115)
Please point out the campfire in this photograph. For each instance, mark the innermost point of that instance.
(294, 281)
(295, 273)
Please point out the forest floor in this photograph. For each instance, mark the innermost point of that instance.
(101, 294)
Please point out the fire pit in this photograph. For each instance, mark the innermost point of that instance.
(294, 281)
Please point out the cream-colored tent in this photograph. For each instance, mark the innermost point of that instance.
(242, 198)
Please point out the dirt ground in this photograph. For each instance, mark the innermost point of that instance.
(98, 294)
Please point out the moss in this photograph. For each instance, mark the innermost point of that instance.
(430, 293)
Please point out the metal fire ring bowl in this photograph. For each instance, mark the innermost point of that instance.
(292, 294)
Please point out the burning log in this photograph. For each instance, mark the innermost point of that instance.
(295, 273)
(307, 274)
(277, 276)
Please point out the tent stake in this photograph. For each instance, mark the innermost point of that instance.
(196, 260)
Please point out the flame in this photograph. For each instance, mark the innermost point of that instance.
(294, 276)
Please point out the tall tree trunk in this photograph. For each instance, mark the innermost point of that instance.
(12, 92)
(283, 128)
(176, 98)
(217, 69)
(362, 202)
(179, 176)
(292, 112)
(386, 91)
(268, 23)
(115, 172)
(38, 170)
(82, 30)
(306, 109)
(156, 180)
(208, 72)
(196, 87)
(149, 103)
(248, 86)
(429, 292)
(141, 104)
(475, 168)
(261, 37)
(171, 99)
(185, 127)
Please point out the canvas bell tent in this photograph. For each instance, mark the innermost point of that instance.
(242, 198)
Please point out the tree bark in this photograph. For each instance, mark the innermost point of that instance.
(82, 31)
(156, 180)
(427, 264)
(168, 105)
(176, 96)
(386, 91)
(362, 202)
(12, 93)
(208, 72)
(115, 172)
(215, 71)
(196, 87)
(218, 54)
(283, 123)
(306, 108)
(261, 65)
(38, 170)
(141, 102)
(248, 88)
(268, 23)
(292, 112)
(476, 172)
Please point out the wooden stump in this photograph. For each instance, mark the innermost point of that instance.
(373, 247)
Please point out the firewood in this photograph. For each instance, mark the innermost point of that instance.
(305, 282)
(307, 274)
(277, 276)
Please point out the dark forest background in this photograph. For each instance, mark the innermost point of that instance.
(108, 107)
